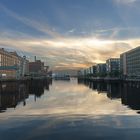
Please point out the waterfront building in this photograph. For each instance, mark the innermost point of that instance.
(130, 63)
(101, 69)
(81, 72)
(87, 71)
(11, 65)
(24, 66)
(90, 71)
(37, 68)
(113, 66)
(123, 67)
(94, 70)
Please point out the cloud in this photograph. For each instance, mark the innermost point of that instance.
(71, 31)
(125, 1)
(44, 28)
(72, 52)
(65, 52)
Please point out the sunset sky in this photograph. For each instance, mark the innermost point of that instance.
(70, 34)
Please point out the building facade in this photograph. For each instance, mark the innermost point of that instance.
(94, 70)
(123, 68)
(81, 72)
(113, 66)
(10, 64)
(24, 66)
(130, 63)
(36, 68)
(101, 69)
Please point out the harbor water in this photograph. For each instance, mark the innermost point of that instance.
(66, 110)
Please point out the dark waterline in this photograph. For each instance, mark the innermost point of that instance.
(64, 110)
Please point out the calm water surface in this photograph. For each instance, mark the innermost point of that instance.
(66, 110)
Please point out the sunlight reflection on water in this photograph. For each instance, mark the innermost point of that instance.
(67, 110)
(70, 98)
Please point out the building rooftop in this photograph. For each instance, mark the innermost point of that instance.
(131, 50)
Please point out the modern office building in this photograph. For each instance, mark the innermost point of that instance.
(87, 71)
(90, 70)
(94, 70)
(113, 66)
(101, 69)
(123, 67)
(81, 72)
(130, 63)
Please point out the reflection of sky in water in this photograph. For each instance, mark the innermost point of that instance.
(70, 111)
(69, 98)
(71, 127)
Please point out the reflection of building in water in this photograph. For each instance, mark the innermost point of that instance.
(114, 90)
(94, 87)
(129, 93)
(47, 84)
(101, 87)
(131, 96)
(36, 88)
(11, 94)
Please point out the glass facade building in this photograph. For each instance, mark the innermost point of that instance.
(113, 65)
(130, 63)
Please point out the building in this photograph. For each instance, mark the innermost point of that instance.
(11, 65)
(81, 72)
(24, 66)
(101, 69)
(37, 68)
(130, 63)
(113, 66)
(87, 71)
(123, 67)
(94, 70)
(90, 71)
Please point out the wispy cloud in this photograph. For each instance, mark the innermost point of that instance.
(125, 1)
(73, 53)
(71, 31)
(44, 28)
(68, 52)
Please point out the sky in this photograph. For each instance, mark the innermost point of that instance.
(70, 34)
